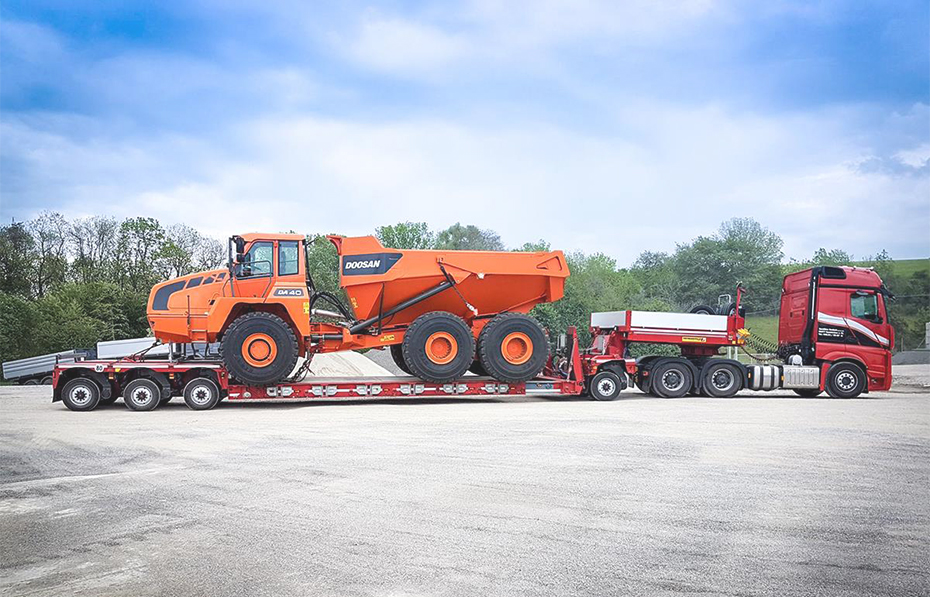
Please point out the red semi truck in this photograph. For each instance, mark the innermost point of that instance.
(834, 337)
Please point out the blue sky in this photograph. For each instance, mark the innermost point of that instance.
(599, 126)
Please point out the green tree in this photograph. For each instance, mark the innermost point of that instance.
(405, 235)
(16, 259)
(50, 234)
(468, 238)
(17, 327)
(137, 247)
(742, 251)
(323, 263)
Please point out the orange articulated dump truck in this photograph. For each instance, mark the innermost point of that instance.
(442, 313)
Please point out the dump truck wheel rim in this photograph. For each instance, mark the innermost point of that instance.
(517, 348)
(259, 350)
(441, 348)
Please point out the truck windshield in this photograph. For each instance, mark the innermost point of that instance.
(257, 262)
(864, 306)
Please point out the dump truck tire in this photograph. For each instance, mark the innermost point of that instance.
(513, 348)
(397, 353)
(438, 347)
(81, 394)
(259, 349)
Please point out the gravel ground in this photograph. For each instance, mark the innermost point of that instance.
(766, 494)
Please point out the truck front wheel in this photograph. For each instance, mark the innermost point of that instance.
(259, 349)
(845, 380)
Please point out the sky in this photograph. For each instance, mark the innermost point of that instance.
(612, 127)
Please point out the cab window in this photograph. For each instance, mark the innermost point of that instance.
(864, 305)
(258, 260)
(288, 257)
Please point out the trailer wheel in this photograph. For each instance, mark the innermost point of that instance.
(845, 380)
(513, 348)
(201, 393)
(438, 347)
(142, 394)
(808, 392)
(721, 380)
(671, 379)
(259, 348)
(31, 382)
(81, 394)
(606, 385)
(397, 353)
(46, 381)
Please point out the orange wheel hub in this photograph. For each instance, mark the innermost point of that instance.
(441, 348)
(517, 348)
(259, 350)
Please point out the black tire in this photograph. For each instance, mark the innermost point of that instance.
(478, 369)
(46, 381)
(31, 382)
(808, 392)
(721, 380)
(606, 385)
(165, 400)
(81, 394)
(142, 394)
(731, 309)
(513, 328)
(671, 379)
(397, 353)
(201, 393)
(451, 347)
(845, 380)
(703, 310)
(271, 346)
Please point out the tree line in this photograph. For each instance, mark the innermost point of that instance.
(69, 284)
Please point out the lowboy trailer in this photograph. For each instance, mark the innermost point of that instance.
(834, 337)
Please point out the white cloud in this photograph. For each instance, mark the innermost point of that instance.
(678, 173)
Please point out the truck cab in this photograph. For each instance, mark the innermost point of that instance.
(832, 316)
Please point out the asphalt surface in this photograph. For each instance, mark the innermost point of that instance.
(766, 494)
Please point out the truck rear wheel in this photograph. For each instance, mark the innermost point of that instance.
(81, 394)
(722, 380)
(397, 353)
(142, 394)
(807, 392)
(438, 347)
(671, 379)
(845, 380)
(512, 347)
(259, 349)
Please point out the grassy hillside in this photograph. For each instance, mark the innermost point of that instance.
(905, 268)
